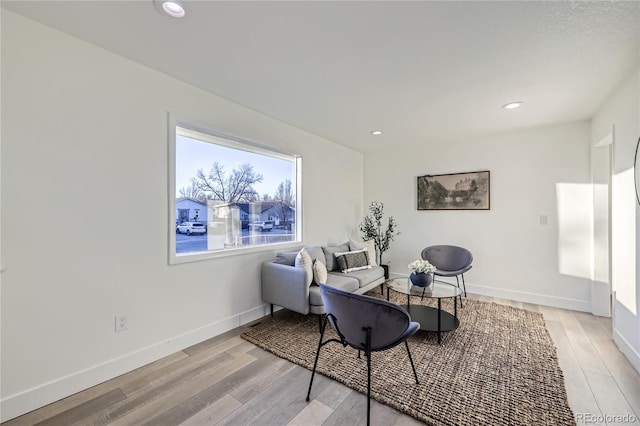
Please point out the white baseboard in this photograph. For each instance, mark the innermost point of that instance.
(15, 405)
(521, 296)
(625, 347)
(536, 298)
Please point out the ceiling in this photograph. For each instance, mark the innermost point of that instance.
(418, 71)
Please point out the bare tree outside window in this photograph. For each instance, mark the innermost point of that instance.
(236, 187)
(192, 192)
(285, 197)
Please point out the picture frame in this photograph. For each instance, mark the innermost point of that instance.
(454, 191)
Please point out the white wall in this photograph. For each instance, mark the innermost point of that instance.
(84, 137)
(622, 110)
(542, 171)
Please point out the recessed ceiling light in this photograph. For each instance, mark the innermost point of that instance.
(376, 132)
(512, 105)
(173, 8)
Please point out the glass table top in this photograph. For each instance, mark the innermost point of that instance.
(438, 290)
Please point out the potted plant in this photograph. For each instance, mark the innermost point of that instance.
(371, 228)
(421, 273)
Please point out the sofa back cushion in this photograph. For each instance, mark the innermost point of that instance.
(329, 251)
(316, 253)
(286, 258)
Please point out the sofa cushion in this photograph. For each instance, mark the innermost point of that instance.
(286, 257)
(370, 245)
(316, 253)
(364, 276)
(303, 260)
(353, 260)
(338, 281)
(331, 263)
(319, 272)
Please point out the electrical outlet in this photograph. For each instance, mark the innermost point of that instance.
(544, 219)
(121, 322)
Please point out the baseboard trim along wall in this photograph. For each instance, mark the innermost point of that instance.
(627, 350)
(15, 405)
(538, 299)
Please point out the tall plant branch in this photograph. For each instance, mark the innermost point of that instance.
(371, 228)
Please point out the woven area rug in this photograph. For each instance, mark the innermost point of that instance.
(498, 368)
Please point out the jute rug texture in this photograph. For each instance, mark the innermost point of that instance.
(498, 368)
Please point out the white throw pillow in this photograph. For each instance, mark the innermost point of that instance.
(303, 260)
(370, 245)
(320, 274)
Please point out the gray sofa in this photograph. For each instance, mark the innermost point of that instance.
(283, 284)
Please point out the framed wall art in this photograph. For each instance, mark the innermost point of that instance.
(455, 191)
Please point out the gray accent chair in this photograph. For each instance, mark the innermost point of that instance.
(366, 324)
(450, 261)
(283, 284)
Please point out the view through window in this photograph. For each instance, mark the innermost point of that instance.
(230, 194)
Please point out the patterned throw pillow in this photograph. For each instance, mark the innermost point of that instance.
(320, 274)
(370, 245)
(303, 260)
(353, 260)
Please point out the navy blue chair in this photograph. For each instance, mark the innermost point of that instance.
(450, 261)
(366, 324)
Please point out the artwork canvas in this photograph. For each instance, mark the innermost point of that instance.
(455, 191)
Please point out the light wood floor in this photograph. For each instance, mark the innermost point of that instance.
(228, 381)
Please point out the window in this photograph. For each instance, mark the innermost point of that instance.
(228, 195)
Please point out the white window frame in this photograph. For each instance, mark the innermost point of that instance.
(235, 142)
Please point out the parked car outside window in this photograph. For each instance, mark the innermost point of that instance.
(262, 226)
(191, 228)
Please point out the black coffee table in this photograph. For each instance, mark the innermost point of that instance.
(430, 319)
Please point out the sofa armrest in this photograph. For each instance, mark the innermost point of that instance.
(285, 286)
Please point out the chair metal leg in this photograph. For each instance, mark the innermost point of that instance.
(458, 281)
(411, 361)
(368, 355)
(272, 309)
(320, 323)
(315, 364)
(464, 286)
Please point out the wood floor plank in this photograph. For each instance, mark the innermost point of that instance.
(280, 403)
(181, 391)
(202, 396)
(530, 307)
(609, 397)
(588, 357)
(549, 312)
(156, 378)
(353, 411)
(579, 394)
(334, 394)
(214, 412)
(214, 342)
(314, 414)
(619, 367)
(80, 412)
(262, 380)
(79, 398)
